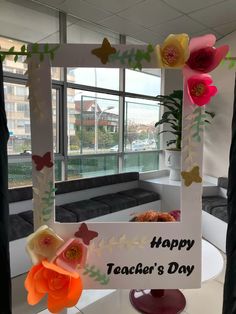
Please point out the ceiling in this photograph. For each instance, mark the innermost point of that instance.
(152, 20)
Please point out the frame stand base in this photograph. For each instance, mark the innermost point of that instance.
(158, 301)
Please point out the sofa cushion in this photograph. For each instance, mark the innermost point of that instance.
(87, 209)
(116, 201)
(20, 194)
(209, 202)
(64, 215)
(142, 196)
(28, 216)
(89, 183)
(223, 182)
(19, 228)
(220, 212)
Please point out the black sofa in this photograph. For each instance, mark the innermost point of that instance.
(217, 205)
(21, 224)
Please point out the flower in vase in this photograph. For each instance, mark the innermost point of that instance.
(63, 288)
(153, 216)
(204, 57)
(72, 255)
(43, 243)
(174, 52)
(200, 90)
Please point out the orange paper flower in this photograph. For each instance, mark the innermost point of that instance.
(63, 288)
(154, 216)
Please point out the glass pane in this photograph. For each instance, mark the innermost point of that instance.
(93, 121)
(146, 82)
(80, 32)
(18, 118)
(92, 166)
(97, 77)
(20, 173)
(145, 161)
(140, 118)
(20, 67)
(29, 22)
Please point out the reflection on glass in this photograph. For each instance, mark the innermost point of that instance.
(20, 173)
(18, 118)
(145, 83)
(92, 122)
(141, 162)
(140, 118)
(84, 167)
(20, 67)
(97, 77)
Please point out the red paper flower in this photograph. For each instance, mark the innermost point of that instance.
(63, 288)
(203, 56)
(199, 89)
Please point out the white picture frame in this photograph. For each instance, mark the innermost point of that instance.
(133, 238)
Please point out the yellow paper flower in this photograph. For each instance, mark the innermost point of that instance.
(174, 51)
(42, 244)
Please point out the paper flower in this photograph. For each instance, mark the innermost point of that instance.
(153, 216)
(42, 244)
(174, 52)
(203, 56)
(71, 255)
(199, 89)
(176, 214)
(63, 288)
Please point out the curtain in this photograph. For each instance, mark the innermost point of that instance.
(5, 276)
(229, 302)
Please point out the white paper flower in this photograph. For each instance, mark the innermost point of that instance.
(43, 244)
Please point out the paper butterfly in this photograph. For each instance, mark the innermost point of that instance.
(85, 234)
(104, 51)
(44, 161)
(191, 176)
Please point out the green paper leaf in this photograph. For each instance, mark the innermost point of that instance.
(23, 48)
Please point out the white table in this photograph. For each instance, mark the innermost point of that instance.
(212, 261)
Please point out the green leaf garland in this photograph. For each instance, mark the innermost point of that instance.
(48, 201)
(198, 123)
(95, 273)
(24, 51)
(133, 57)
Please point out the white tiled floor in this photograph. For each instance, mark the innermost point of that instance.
(207, 300)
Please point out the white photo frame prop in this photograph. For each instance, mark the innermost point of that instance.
(122, 251)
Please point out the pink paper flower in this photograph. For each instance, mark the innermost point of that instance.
(203, 56)
(199, 89)
(72, 255)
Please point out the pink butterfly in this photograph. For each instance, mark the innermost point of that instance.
(85, 234)
(44, 161)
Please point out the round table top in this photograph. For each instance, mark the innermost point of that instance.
(212, 261)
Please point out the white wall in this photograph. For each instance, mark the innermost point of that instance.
(218, 134)
(171, 80)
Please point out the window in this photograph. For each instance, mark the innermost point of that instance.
(95, 121)
(109, 128)
(140, 131)
(18, 116)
